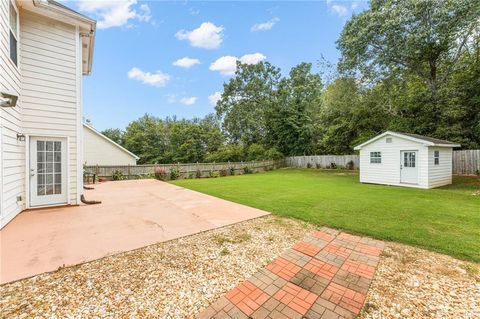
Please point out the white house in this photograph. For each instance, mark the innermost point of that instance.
(404, 159)
(100, 150)
(45, 48)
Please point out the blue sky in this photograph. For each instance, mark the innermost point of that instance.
(138, 43)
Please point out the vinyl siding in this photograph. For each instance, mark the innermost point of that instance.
(49, 92)
(441, 174)
(99, 151)
(47, 82)
(388, 172)
(12, 164)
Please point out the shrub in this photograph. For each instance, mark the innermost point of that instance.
(160, 173)
(223, 172)
(317, 165)
(255, 152)
(333, 166)
(350, 165)
(191, 175)
(273, 153)
(232, 170)
(198, 174)
(212, 174)
(174, 173)
(247, 170)
(117, 175)
(309, 165)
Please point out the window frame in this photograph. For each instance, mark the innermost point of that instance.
(436, 157)
(376, 157)
(12, 4)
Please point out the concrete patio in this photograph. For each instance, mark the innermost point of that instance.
(133, 214)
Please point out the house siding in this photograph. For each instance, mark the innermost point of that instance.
(99, 151)
(388, 172)
(48, 84)
(12, 164)
(49, 92)
(441, 174)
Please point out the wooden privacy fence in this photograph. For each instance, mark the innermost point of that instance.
(205, 169)
(323, 161)
(466, 162)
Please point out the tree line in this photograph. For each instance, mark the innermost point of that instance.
(409, 66)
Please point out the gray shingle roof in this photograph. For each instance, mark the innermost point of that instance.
(428, 139)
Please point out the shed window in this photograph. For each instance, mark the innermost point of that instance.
(436, 157)
(13, 33)
(375, 157)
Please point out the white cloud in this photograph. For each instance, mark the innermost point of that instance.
(214, 98)
(207, 36)
(171, 98)
(339, 9)
(188, 100)
(115, 13)
(158, 78)
(227, 65)
(186, 62)
(264, 26)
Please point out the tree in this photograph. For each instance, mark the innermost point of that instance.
(294, 116)
(423, 38)
(114, 134)
(247, 100)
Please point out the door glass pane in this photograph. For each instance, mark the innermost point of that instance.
(49, 167)
(412, 161)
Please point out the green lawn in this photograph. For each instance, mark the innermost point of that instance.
(445, 219)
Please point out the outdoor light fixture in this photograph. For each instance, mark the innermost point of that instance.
(20, 137)
(8, 100)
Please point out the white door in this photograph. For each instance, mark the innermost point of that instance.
(48, 171)
(408, 167)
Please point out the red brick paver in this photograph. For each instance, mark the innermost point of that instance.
(247, 297)
(327, 275)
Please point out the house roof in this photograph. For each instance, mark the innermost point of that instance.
(110, 140)
(429, 141)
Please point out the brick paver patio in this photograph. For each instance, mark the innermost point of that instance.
(325, 276)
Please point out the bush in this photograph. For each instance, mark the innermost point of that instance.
(191, 175)
(160, 173)
(318, 166)
(223, 172)
(273, 154)
(174, 173)
(232, 170)
(255, 152)
(212, 174)
(118, 175)
(247, 170)
(350, 165)
(309, 165)
(333, 166)
(198, 174)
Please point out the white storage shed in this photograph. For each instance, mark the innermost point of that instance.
(404, 159)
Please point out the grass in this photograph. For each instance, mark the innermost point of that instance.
(445, 219)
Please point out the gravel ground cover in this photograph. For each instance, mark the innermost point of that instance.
(178, 279)
(415, 283)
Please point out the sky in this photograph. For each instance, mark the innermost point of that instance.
(171, 58)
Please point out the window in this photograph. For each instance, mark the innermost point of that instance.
(409, 159)
(375, 157)
(389, 140)
(436, 157)
(13, 33)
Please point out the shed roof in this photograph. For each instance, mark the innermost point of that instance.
(429, 141)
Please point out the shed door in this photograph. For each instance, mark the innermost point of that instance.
(409, 167)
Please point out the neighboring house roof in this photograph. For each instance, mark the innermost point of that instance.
(429, 141)
(60, 12)
(110, 140)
